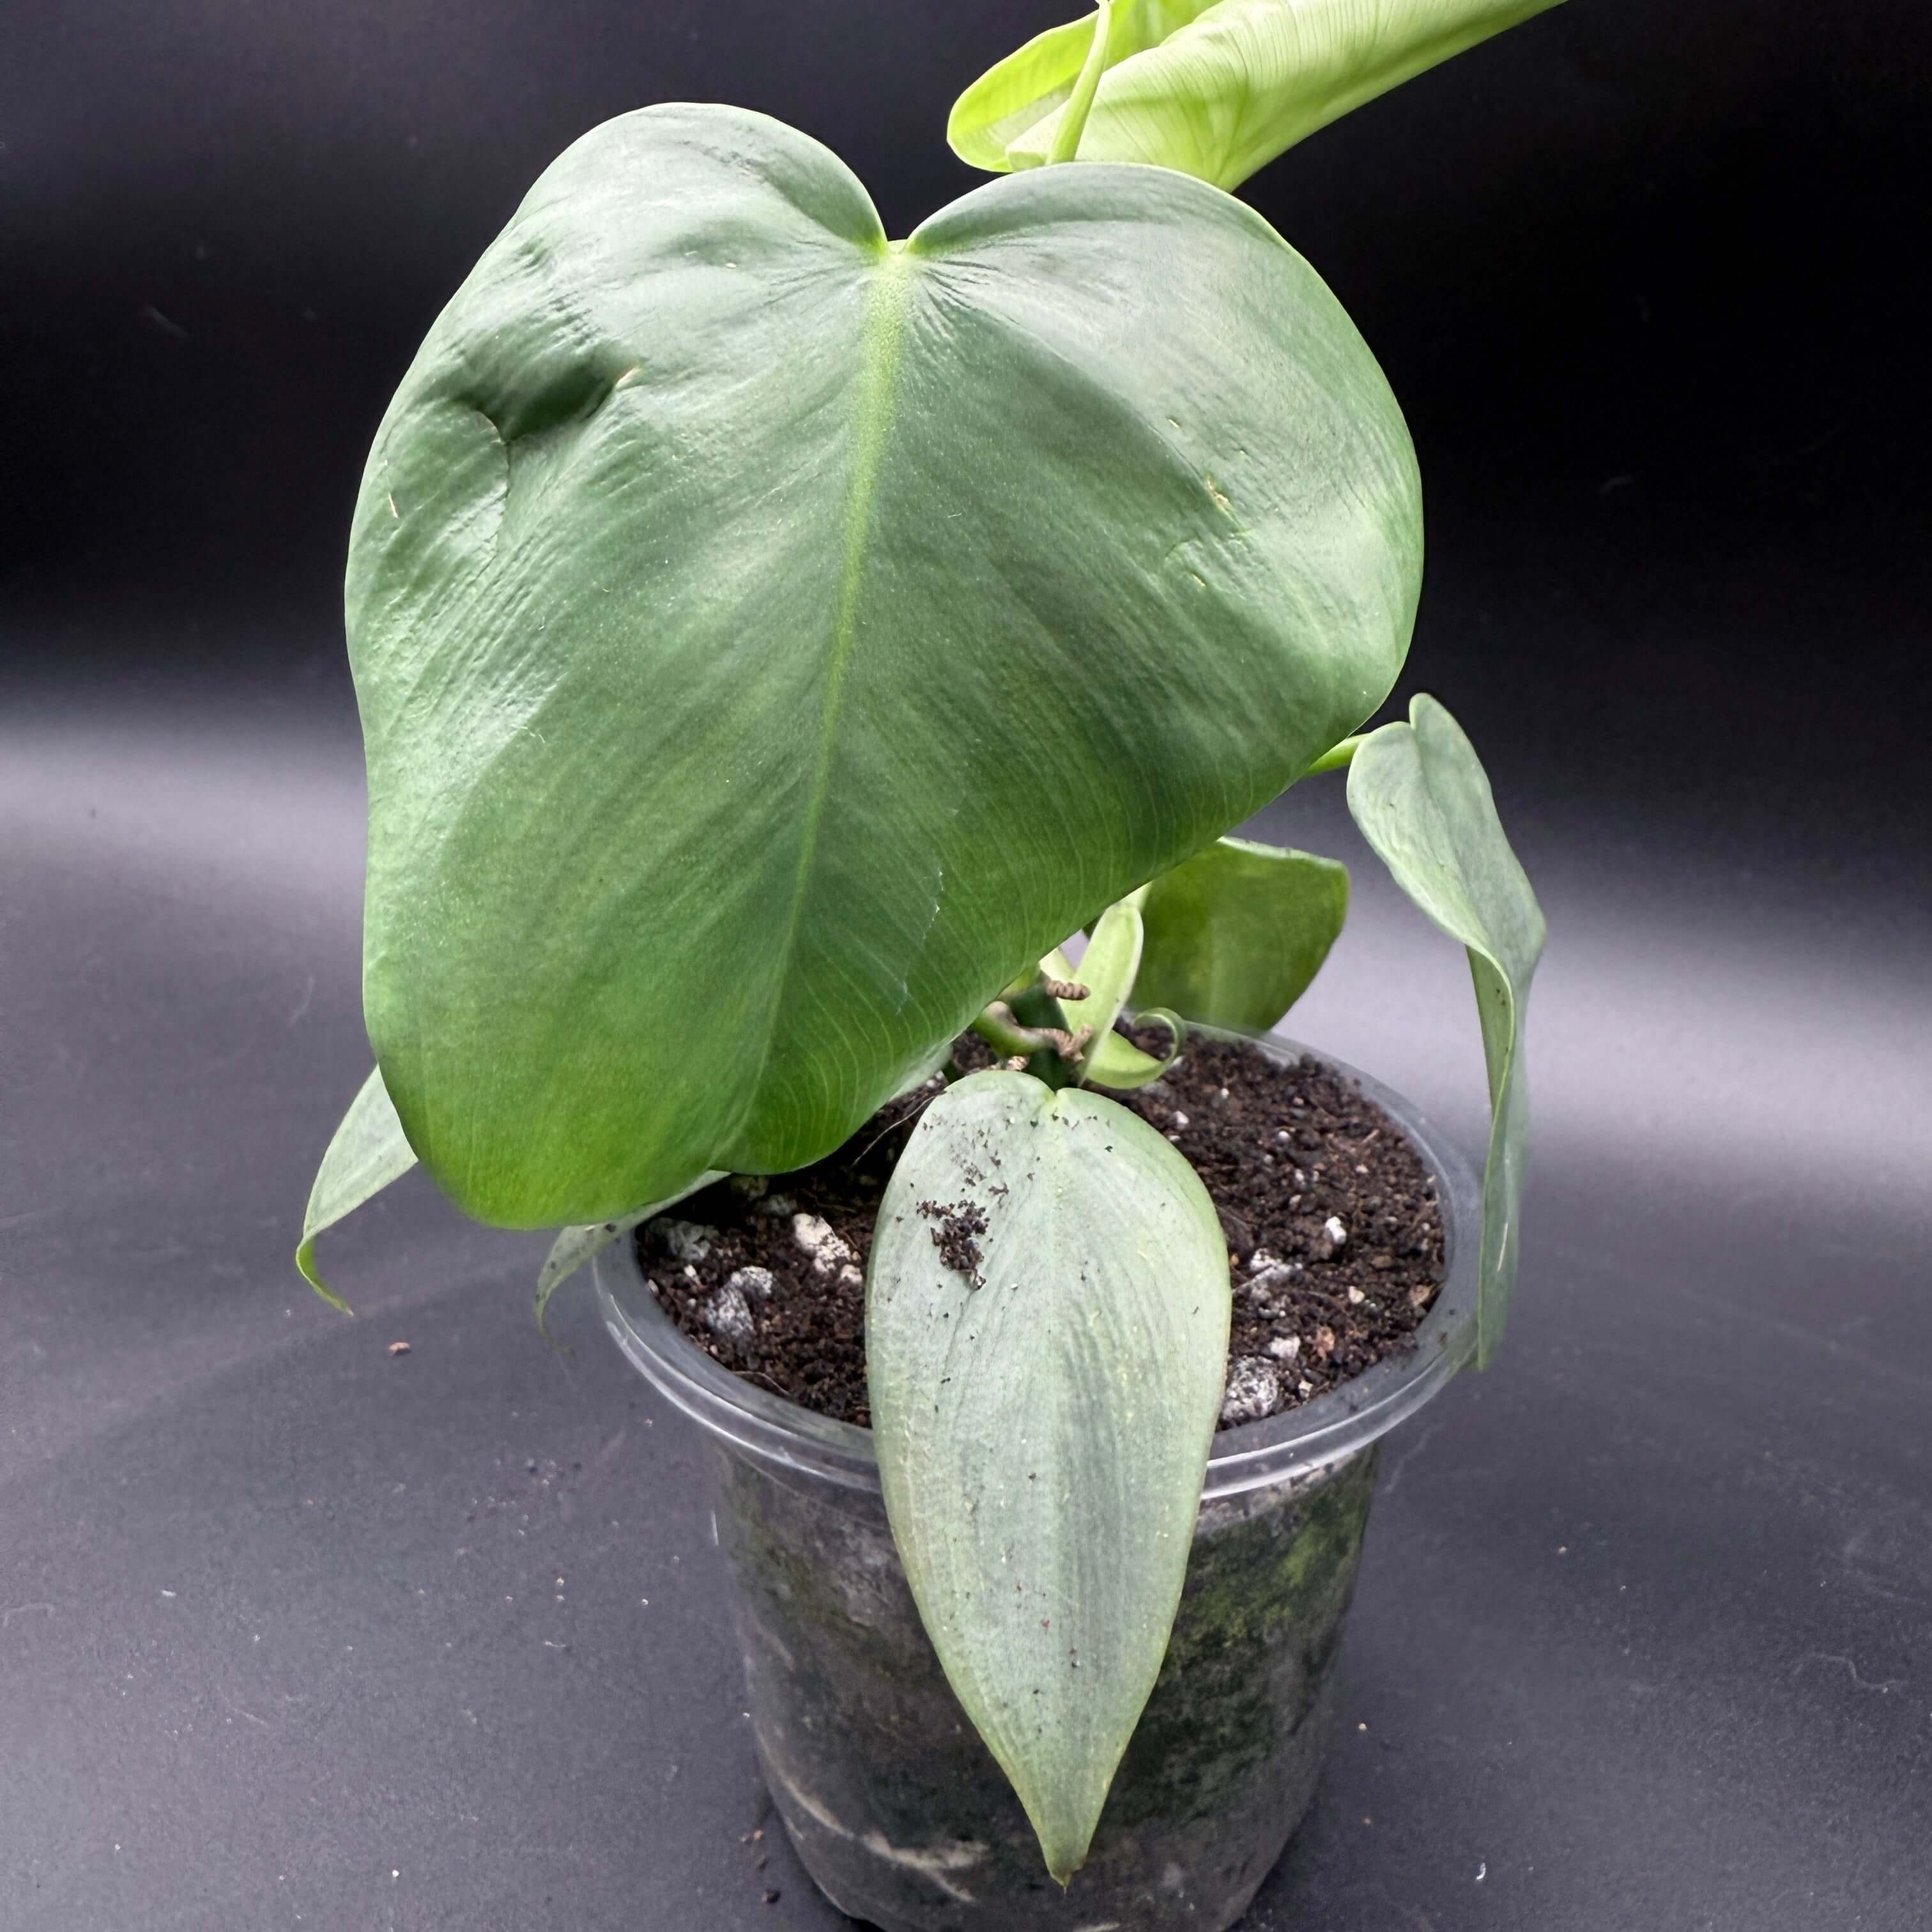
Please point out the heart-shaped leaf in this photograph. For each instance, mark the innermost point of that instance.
(1235, 934)
(1419, 793)
(367, 1151)
(1215, 90)
(717, 574)
(1046, 1334)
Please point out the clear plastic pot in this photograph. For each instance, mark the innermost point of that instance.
(896, 1807)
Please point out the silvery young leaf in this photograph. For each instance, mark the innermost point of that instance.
(1043, 1421)
(369, 1150)
(1419, 796)
(574, 1246)
(710, 570)
(1215, 91)
(1235, 934)
(1107, 969)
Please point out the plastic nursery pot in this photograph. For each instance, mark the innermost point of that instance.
(896, 1807)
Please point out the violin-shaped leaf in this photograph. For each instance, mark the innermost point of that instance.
(712, 571)
(1046, 1333)
(1214, 90)
(367, 1151)
(1235, 934)
(1420, 795)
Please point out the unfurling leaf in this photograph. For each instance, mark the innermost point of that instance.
(699, 668)
(1418, 792)
(1117, 1062)
(1214, 90)
(1235, 934)
(369, 1150)
(1046, 1328)
(1107, 971)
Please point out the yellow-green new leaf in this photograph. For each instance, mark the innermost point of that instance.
(1235, 934)
(712, 572)
(1420, 795)
(1118, 1063)
(1216, 90)
(368, 1150)
(1107, 971)
(1046, 1333)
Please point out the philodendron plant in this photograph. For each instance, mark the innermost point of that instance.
(772, 640)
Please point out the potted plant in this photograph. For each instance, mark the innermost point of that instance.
(771, 640)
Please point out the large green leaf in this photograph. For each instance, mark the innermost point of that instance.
(1418, 792)
(367, 1151)
(1042, 1423)
(1215, 91)
(1235, 934)
(718, 575)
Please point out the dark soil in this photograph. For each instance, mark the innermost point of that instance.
(1334, 1236)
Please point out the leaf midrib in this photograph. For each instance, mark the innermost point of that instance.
(883, 336)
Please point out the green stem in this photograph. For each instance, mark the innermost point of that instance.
(1007, 1038)
(1336, 756)
(1073, 116)
(1035, 1007)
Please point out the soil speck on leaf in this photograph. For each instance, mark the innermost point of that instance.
(955, 1238)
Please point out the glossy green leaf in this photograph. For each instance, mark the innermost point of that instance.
(1107, 969)
(368, 1150)
(714, 571)
(1418, 792)
(1215, 91)
(574, 1246)
(1043, 1425)
(1235, 934)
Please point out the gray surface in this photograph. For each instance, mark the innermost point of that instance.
(1644, 1637)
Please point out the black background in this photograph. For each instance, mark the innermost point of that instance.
(1643, 276)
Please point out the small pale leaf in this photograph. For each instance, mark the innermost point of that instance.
(1235, 934)
(1107, 971)
(1118, 1063)
(1214, 90)
(1419, 793)
(368, 1151)
(574, 1246)
(1043, 1418)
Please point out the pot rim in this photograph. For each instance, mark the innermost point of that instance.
(1298, 1442)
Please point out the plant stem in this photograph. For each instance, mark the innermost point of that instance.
(1036, 1008)
(1073, 116)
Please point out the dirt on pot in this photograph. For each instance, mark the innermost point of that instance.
(1333, 1229)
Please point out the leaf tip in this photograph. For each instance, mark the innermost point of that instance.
(1064, 1843)
(547, 1286)
(311, 1273)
